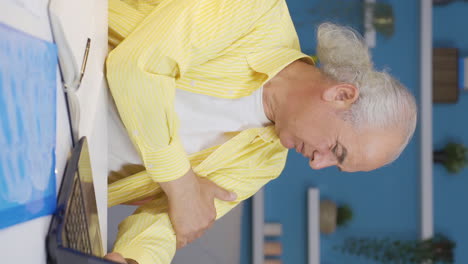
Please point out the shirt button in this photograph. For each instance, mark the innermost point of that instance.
(192, 83)
(231, 92)
(150, 166)
(135, 132)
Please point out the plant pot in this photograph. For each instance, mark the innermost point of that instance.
(328, 214)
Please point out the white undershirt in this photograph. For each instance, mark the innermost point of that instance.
(204, 121)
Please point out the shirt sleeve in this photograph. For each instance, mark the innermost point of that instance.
(142, 70)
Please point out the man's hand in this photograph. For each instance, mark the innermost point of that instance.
(191, 205)
(116, 257)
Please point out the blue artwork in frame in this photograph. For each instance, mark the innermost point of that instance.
(28, 71)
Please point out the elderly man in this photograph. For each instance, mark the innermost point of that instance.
(213, 93)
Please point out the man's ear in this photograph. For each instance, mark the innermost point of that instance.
(343, 95)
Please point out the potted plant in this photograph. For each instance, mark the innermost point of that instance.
(453, 156)
(384, 20)
(438, 249)
(332, 216)
(380, 16)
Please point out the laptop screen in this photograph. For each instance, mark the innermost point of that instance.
(74, 235)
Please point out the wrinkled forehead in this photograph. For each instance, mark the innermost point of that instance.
(374, 148)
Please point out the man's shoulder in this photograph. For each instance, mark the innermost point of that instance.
(254, 6)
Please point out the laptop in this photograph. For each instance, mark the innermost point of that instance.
(74, 236)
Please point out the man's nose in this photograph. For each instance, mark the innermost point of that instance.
(322, 160)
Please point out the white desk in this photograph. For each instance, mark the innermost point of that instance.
(82, 20)
(25, 243)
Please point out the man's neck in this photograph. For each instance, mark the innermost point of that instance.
(267, 103)
(277, 89)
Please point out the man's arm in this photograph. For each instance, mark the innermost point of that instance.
(142, 70)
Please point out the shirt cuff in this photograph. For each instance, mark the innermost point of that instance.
(168, 163)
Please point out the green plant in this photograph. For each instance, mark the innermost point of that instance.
(353, 13)
(384, 20)
(438, 249)
(453, 156)
(344, 215)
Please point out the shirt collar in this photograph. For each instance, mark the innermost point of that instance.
(272, 61)
(268, 134)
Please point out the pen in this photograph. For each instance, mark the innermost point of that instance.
(85, 60)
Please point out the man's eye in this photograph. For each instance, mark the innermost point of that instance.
(335, 150)
(338, 152)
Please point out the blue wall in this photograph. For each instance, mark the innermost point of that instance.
(385, 201)
(451, 123)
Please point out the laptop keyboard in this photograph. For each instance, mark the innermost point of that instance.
(75, 223)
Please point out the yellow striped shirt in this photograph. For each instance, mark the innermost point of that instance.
(222, 48)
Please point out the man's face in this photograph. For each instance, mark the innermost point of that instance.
(313, 126)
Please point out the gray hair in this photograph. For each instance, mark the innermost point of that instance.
(383, 101)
